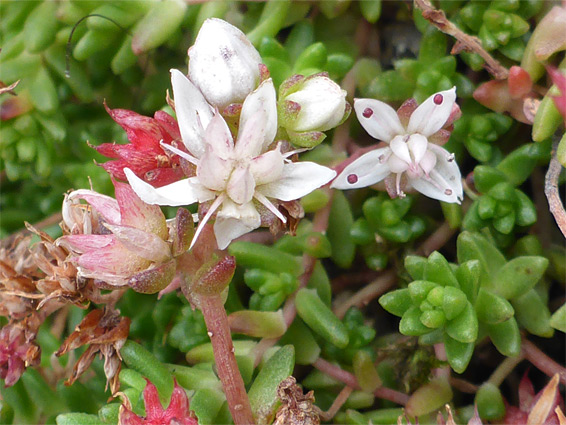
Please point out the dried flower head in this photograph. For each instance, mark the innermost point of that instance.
(106, 332)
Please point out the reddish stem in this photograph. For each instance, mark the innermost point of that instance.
(542, 362)
(219, 331)
(349, 379)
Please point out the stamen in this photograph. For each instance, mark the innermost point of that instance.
(267, 204)
(450, 157)
(368, 112)
(179, 152)
(217, 202)
(438, 99)
(400, 193)
(448, 192)
(352, 178)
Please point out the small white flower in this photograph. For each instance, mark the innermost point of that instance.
(223, 63)
(235, 176)
(429, 168)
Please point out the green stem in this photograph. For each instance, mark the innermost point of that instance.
(212, 308)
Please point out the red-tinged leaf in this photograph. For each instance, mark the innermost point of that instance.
(519, 82)
(559, 80)
(495, 96)
(526, 393)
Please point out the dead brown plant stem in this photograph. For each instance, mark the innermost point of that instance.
(216, 320)
(349, 379)
(541, 361)
(465, 42)
(337, 403)
(504, 369)
(367, 293)
(551, 191)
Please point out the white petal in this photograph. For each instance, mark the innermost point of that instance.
(183, 192)
(297, 180)
(428, 162)
(234, 221)
(448, 168)
(397, 165)
(218, 136)
(379, 119)
(241, 186)
(223, 63)
(433, 113)
(400, 149)
(368, 169)
(418, 146)
(193, 112)
(213, 172)
(444, 182)
(258, 121)
(267, 167)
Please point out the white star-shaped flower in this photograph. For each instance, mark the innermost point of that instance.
(429, 168)
(235, 176)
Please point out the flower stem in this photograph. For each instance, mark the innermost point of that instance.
(541, 361)
(350, 380)
(219, 331)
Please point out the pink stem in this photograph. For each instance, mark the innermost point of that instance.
(349, 379)
(542, 362)
(219, 331)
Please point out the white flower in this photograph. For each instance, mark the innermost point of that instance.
(322, 104)
(429, 168)
(235, 176)
(223, 63)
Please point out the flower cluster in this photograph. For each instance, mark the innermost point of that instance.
(237, 171)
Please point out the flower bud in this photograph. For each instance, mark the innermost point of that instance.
(223, 63)
(318, 104)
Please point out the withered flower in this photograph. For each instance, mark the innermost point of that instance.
(297, 408)
(106, 332)
(17, 272)
(119, 242)
(17, 351)
(177, 413)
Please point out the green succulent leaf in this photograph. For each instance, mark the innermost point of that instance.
(396, 302)
(458, 353)
(506, 337)
(518, 276)
(464, 327)
(492, 308)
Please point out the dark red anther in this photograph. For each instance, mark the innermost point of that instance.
(352, 178)
(438, 98)
(368, 112)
